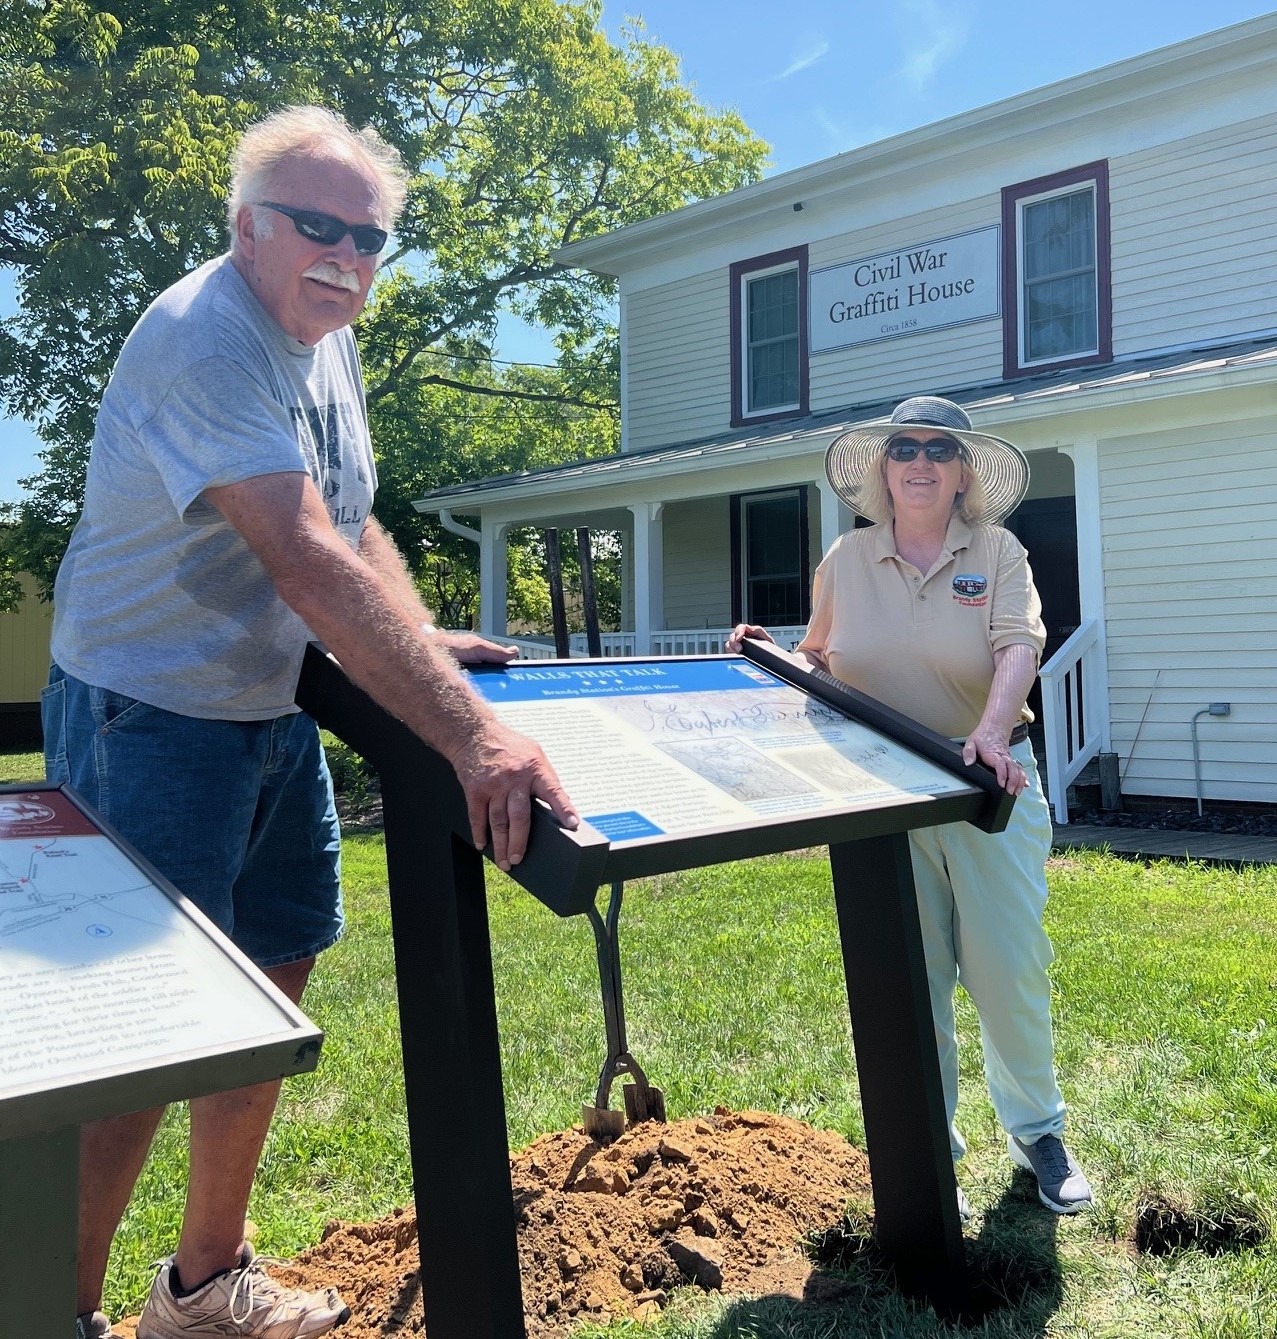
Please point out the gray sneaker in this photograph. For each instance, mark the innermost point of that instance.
(94, 1325)
(1062, 1185)
(243, 1303)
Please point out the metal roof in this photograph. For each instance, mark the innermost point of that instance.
(1073, 388)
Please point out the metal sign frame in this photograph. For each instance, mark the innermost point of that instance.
(113, 1089)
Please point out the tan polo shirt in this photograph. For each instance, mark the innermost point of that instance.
(923, 643)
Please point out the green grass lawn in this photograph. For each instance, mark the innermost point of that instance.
(1166, 1013)
(21, 767)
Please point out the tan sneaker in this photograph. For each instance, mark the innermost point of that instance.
(243, 1303)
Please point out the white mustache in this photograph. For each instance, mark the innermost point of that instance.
(328, 273)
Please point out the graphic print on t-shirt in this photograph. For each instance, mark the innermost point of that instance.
(322, 431)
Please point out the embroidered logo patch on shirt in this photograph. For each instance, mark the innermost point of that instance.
(970, 588)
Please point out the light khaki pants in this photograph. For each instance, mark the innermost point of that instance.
(980, 900)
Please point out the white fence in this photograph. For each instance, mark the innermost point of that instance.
(668, 642)
(1071, 697)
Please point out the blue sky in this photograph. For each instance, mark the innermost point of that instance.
(817, 77)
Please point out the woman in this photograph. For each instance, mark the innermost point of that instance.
(933, 611)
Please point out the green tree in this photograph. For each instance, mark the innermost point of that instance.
(429, 434)
(524, 128)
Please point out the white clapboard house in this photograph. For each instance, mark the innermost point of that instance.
(1091, 269)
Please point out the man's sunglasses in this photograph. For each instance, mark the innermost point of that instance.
(940, 450)
(328, 231)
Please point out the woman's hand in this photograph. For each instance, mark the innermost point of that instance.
(743, 630)
(991, 747)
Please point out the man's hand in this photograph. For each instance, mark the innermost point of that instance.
(470, 649)
(501, 772)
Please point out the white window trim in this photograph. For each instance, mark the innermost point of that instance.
(1022, 307)
(747, 278)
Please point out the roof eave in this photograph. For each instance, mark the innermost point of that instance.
(995, 410)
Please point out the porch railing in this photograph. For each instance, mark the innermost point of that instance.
(678, 641)
(667, 642)
(1071, 698)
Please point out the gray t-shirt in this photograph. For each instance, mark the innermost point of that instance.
(159, 597)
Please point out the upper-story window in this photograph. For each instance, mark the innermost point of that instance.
(1056, 274)
(769, 337)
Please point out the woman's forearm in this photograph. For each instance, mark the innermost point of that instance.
(1015, 668)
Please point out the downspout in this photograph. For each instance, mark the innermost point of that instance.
(456, 528)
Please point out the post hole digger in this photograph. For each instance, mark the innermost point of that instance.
(642, 1101)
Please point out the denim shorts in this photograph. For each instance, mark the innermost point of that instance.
(239, 815)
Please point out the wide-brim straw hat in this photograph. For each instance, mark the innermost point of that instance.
(1000, 465)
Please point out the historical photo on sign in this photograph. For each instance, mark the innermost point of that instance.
(654, 748)
(98, 967)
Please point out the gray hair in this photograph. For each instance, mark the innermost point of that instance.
(295, 131)
(874, 498)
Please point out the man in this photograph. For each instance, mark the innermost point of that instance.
(226, 523)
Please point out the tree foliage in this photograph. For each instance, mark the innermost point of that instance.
(524, 128)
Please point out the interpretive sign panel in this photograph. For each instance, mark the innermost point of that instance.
(660, 748)
(105, 970)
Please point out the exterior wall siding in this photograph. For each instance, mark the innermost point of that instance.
(1194, 250)
(678, 373)
(1190, 580)
(698, 583)
(24, 647)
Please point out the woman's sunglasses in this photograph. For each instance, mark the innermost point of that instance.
(328, 231)
(940, 450)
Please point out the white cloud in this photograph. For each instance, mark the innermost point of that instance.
(842, 135)
(803, 62)
(934, 34)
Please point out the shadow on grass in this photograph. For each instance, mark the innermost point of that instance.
(1013, 1265)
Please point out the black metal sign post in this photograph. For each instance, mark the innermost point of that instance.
(461, 1173)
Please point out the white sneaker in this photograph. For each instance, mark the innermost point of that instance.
(243, 1303)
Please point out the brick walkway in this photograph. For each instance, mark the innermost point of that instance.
(1210, 847)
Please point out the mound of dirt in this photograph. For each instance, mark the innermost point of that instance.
(721, 1202)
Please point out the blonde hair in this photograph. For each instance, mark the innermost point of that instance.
(873, 498)
(298, 131)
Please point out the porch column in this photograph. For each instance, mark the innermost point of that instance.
(835, 516)
(493, 566)
(1085, 455)
(649, 573)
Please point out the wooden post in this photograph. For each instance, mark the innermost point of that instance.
(554, 567)
(1110, 783)
(593, 641)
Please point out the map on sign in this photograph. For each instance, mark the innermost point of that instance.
(661, 747)
(98, 966)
